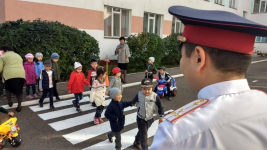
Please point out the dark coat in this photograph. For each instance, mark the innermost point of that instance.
(115, 111)
(45, 80)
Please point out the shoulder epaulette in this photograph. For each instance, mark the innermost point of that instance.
(188, 108)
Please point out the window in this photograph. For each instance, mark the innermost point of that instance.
(233, 4)
(260, 39)
(116, 22)
(152, 23)
(220, 2)
(177, 26)
(259, 6)
(244, 14)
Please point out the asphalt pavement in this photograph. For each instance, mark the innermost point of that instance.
(65, 129)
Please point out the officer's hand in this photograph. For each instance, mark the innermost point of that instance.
(11, 114)
(41, 90)
(161, 120)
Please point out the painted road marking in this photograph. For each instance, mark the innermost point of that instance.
(67, 111)
(93, 131)
(75, 121)
(255, 81)
(57, 104)
(258, 61)
(127, 138)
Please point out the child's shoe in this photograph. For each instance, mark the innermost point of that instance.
(52, 107)
(29, 97)
(100, 120)
(137, 145)
(96, 120)
(78, 109)
(74, 104)
(35, 95)
(40, 104)
(93, 104)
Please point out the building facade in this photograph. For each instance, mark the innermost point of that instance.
(107, 20)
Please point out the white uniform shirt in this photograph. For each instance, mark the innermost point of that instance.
(234, 119)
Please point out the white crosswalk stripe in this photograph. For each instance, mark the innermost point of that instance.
(68, 118)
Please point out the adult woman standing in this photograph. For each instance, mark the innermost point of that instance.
(123, 57)
(13, 74)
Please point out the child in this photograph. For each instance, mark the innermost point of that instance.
(75, 85)
(55, 67)
(114, 114)
(47, 79)
(151, 69)
(30, 76)
(163, 75)
(116, 80)
(92, 74)
(148, 103)
(38, 66)
(98, 93)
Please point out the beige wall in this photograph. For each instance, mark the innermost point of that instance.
(2, 11)
(75, 17)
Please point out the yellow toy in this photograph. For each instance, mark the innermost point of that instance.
(9, 130)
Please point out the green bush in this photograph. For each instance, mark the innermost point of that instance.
(172, 56)
(143, 46)
(48, 37)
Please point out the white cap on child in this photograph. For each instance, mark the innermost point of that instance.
(77, 65)
(152, 59)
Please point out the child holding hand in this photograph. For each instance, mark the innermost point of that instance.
(114, 114)
(92, 74)
(98, 94)
(75, 85)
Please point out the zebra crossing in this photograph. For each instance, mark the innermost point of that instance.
(65, 117)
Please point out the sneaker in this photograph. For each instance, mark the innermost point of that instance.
(100, 120)
(35, 96)
(74, 104)
(58, 98)
(96, 120)
(109, 138)
(52, 107)
(137, 145)
(40, 104)
(29, 97)
(78, 109)
(169, 98)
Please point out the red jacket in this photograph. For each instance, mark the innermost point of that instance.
(76, 82)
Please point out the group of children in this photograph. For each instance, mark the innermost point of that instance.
(146, 101)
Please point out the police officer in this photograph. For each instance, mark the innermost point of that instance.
(228, 115)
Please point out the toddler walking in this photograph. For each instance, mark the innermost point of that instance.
(115, 81)
(98, 93)
(38, 66)
(30, 76)
(75, 85)
(151, 69)
(47, 78)
(114, 114)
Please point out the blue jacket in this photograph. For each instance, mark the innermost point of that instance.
(115, 111)
(38, 68)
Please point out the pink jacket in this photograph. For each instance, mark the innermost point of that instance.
(30, 73)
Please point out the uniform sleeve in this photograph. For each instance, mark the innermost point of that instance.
(109, 114)
(128, 54)
(3, 110)
(160, 106)
(135, 100)
(89, 76)
(72, 77)
(85, 81)
(110, 85)
(163, 139)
